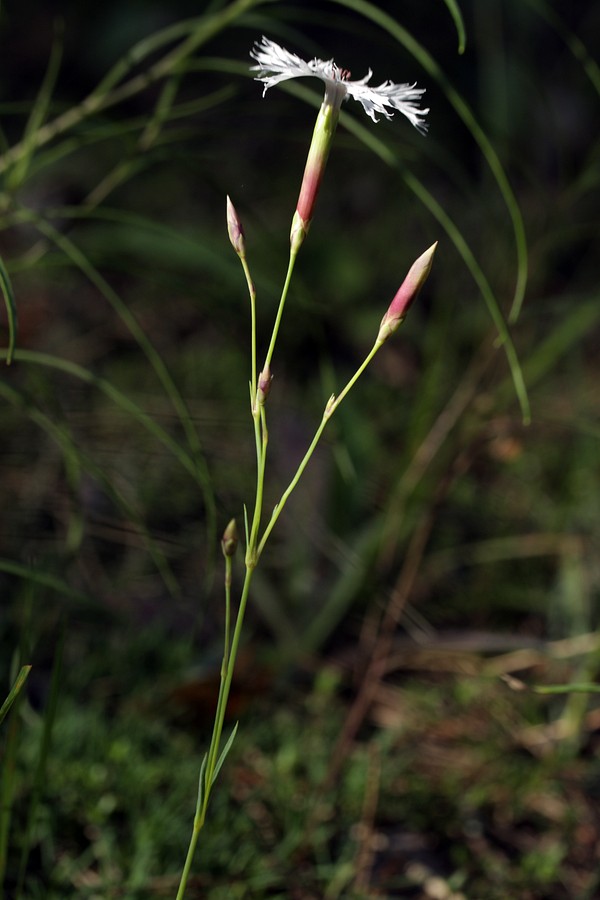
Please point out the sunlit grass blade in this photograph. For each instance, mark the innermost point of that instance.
(573, 42)
(573, 327)
(111, 92)
(14, 691)
(138, 158)
(395, 30)
(37, 116)
(162, 111)
(114, 394)
(8, 788)
(42, 579)
(106, 130)
(73, 455)
(75, 255)
(484, 287)
(201, 777)
(459, 24)
(11, 311)
(390, 157)
(575, 688)
(165, 243)
(128, 406)
(42, 763)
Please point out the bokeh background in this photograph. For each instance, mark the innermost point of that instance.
(439, 564)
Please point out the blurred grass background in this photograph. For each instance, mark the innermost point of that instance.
(437, 543)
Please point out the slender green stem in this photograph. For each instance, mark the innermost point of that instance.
(213, 751)
(228, 568)
(284, 293)
(207, 775)
(185, 874)
(335, 401)
(253, 551)
(235, 642)
(332, 405)
(252, 293)
(262, 439)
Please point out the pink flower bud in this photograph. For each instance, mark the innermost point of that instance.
(229, 541)
(264, 385)
(235, 230)
(406, 294)
(318, 154)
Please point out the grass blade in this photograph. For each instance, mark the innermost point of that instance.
(14, 691)
(107, 94)
(40, 773)
(11, 311)
(43, 579)
(395, 30)
(391, 158)
(117, 396)
(573, 42)
(459, 24)
(75, 255)
(36, 118)
(73, 455)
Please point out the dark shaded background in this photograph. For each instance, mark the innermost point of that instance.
(499, 523)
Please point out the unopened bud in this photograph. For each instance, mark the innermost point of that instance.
(229, 541)
(316, 161)
(264, 385)
(235, 230)
(331, 405)
(406, 294)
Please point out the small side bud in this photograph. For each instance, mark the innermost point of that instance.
(264, 385)
(331, 405)
(235, 230)
(229, 541)
(407, 292)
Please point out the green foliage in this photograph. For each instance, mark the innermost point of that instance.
(127, 444)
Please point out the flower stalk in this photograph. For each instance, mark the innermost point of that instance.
(274, 64)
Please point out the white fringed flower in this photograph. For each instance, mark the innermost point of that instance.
(276, 64)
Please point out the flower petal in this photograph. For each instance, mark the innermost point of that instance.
(389, 96)
(277, 64)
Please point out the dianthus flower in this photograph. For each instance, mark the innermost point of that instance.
(275, 64)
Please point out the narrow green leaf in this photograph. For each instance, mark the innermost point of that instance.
(42, 763)
(395, 30)
(14, 691)
(200, 797)
(43, 579)
(575, 688)
(573, 42)
(459, 24)
(390, 157)
(74, 457)
(80, 260)
(114, 394)
(246, 525)
(224, 753)
(111, 92)
(11, 311)
(37, 116)
(573, 327)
